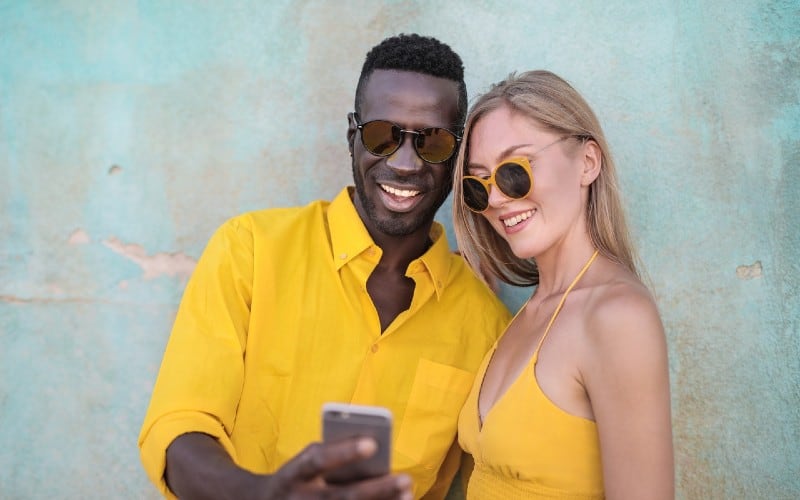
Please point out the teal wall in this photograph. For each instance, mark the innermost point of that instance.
(130, 129)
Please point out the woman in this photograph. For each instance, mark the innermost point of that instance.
(573, 400)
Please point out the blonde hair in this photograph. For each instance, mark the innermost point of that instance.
(556, 106)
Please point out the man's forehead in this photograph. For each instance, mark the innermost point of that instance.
(387, 90)
(381, 80)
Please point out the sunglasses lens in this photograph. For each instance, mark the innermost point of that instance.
(380, 137)
(513, 180)
(475, 195)
(435, 145)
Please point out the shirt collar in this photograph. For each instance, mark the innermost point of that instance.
(349, 238)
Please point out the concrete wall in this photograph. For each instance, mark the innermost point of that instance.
(130, 129)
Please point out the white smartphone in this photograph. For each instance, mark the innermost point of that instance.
(341, 421)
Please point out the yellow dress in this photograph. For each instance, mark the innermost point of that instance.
(527, 447)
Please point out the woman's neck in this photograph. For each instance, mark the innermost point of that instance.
(559, 264)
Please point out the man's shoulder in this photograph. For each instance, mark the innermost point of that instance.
(270, 220)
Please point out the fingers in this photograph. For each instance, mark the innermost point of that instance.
(301, 476)
(392, 487)
(318, 458)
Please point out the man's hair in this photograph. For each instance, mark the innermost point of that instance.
(419, 54)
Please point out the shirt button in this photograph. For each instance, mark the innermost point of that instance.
(374, 348)
(343, 256)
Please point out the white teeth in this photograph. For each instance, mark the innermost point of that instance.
(513, 221)
(405, 193)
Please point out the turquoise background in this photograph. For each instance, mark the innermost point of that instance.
(129, 130)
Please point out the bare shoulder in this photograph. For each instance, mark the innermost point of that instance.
(622, 321)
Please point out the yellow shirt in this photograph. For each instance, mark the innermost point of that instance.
(276, 320)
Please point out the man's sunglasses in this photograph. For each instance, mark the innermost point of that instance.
(432, 144)
(513, 177)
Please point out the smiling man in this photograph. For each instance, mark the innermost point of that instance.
(356, 300)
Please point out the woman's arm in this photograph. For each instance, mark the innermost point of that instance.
(627, 379)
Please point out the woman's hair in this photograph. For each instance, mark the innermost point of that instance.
(556, 106)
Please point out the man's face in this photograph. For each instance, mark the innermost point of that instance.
(399, 194)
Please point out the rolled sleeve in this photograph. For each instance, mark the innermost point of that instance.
(200, 380)
(155, 439)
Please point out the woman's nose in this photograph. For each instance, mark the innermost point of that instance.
(496, 197)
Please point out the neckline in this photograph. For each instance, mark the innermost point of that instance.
(535, 355)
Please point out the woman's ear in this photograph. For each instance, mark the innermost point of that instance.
(592, 158)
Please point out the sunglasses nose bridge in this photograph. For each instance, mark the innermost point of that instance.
(405, 158)
(496, 195)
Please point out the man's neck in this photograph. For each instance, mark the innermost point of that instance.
(399, 251)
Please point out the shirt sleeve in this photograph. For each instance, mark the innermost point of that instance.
(200, 380)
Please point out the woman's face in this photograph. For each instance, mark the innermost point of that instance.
(554, 208)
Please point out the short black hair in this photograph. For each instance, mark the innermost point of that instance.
(420, 54)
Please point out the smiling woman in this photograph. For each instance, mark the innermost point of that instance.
(573, 400)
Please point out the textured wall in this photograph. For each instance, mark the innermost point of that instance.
(130, 130)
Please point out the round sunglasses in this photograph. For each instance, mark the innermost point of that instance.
(383, 138)
(513, 177)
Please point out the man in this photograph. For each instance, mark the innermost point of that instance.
(355, 300)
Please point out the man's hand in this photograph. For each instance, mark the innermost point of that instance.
(198, 468)
(301, 477)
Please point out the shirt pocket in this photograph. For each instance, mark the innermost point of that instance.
(431, 417)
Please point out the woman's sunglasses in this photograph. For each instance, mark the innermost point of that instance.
(432, 144)
(513, 177)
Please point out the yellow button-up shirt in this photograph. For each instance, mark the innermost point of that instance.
(276, 320)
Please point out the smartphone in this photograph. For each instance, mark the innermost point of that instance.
(341, 421)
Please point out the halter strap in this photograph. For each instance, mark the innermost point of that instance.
(561, 302)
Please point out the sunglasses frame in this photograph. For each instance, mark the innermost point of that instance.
(521, 161)
(403, 132)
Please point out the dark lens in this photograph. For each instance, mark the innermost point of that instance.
(513, 180)
(475, 195)
(435, 145)
(380, 137)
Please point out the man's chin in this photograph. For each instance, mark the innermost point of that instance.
(397, 226)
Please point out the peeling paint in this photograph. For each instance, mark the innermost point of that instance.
(78, 237)
(746, 272)
(160, 264)
(11, 299)
(14, 299)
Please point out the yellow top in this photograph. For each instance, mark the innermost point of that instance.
(276, 321)
(528, 447)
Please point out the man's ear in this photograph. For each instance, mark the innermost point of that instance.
(351, 131)
(592, 158)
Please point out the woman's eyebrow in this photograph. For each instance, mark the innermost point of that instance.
(503, 154)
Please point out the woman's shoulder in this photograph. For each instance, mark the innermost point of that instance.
(622, 336)
(622, 311)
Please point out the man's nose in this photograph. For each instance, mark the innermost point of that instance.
(405, 161)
